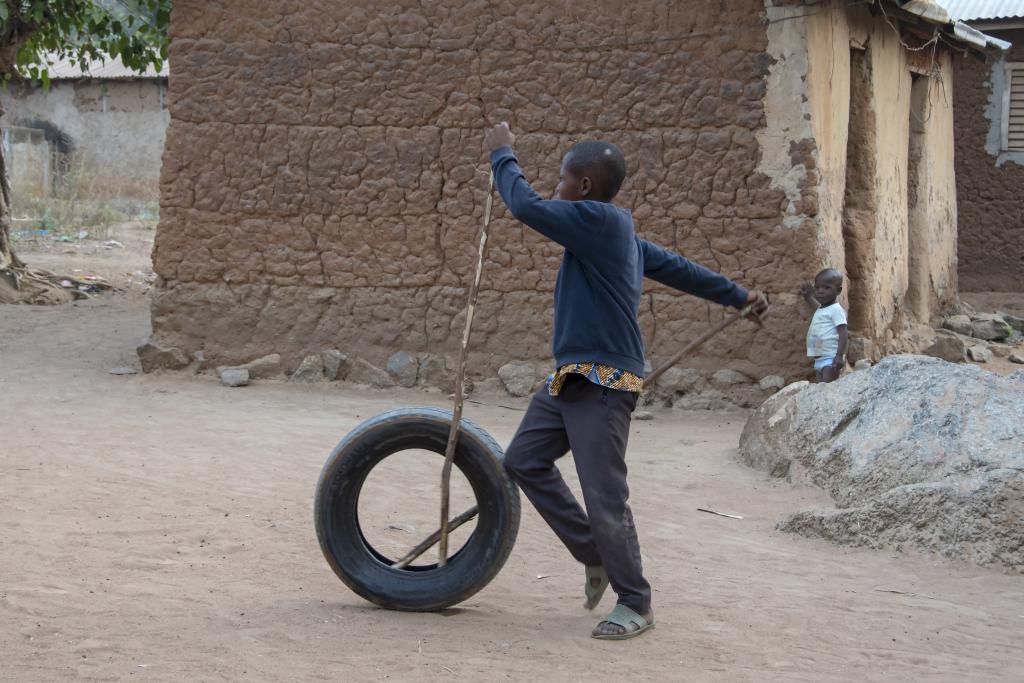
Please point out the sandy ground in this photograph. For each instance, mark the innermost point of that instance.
(160, 527)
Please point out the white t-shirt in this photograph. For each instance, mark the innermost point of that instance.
(822, 335)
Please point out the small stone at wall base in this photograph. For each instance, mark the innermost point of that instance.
(155, 357)
(124, 371)
(990, 327)
(1014, 322)
(705, 400)
(334, 365)
(434, 372)
(311, 369)
(234, 377)
(264, 367)
(728, 378)
(518, 378)
(678, 379)
(961, 324)
(643, 415)
(948, 347)
(404, 368)
(858, 347)
(862, 364)
(772, 383)
(1000, 350)
(364, 372)
(979, 354)
(1017, 358)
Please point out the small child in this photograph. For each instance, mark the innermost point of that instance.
(826, 336)
(599, 357)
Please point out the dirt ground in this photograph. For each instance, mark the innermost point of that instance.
(160, 528)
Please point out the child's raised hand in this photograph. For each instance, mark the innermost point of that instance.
(499, 136)
(806, 290)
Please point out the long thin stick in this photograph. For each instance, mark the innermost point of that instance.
(433, 538)
(653, 377)
(460, 373)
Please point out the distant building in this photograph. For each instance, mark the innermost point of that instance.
(989, 115)
(106, 127)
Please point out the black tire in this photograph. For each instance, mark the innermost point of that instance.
(417, 588)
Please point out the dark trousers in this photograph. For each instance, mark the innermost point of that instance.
(593, 422)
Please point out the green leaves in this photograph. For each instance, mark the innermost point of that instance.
(84, 31)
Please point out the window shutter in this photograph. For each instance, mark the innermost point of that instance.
(1014, 110)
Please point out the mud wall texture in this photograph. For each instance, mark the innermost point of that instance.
(881, 120)
(115, 129)
(990, 184)
(324, 177)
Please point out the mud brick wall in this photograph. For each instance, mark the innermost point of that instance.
(990, 195)
(324, 178)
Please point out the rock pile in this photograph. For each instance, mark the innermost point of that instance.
(914, 452)
(978, 337)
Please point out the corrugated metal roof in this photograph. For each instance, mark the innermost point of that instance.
(112, 68)
(980, 10)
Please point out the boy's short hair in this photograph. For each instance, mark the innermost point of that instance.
(602, 161)
(830, 274)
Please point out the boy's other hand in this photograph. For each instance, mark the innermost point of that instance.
(806, 290)
(499, 136)
(758, 303)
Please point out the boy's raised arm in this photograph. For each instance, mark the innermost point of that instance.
(558, 220)
(686, 276)
(555, 219)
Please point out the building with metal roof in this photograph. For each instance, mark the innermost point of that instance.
(983, 10)
(111, 68)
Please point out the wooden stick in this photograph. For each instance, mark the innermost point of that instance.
(653, 377)
(460, 374)
(433, 538)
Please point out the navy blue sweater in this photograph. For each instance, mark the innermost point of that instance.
(597, 294)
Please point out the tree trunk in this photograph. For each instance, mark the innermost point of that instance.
(8, 259)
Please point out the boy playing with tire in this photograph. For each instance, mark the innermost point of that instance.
(587, 403)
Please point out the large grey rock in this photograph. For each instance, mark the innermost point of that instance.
(1016, 358)
(961, 324)
(914, 452)
(310, 370)
(947, 346)
(363, 372)
(990, 327)
(335, 365)
(979, 354)
(234, 377)
(155, 357)
(404, 368)
(518, 377)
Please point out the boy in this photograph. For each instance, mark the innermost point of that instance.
(826, 335)
(599, 355)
